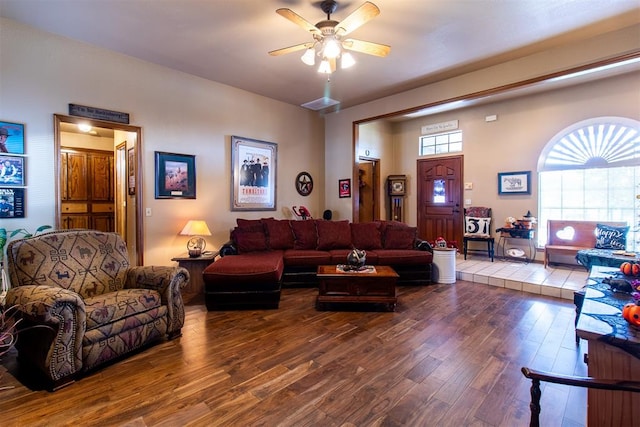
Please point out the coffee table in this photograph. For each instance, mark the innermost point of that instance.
(376, 287)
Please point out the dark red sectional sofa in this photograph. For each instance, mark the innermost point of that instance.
(264, 255)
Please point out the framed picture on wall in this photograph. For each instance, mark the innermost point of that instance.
(253, 174)
(11, 202)
(12, 171)
(175, 176)
(514, 182)
(11, 138)
(344, 188)
(131, 171)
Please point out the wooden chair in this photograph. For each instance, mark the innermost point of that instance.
(477, 228)
(588, 382)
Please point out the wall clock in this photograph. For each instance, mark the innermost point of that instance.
(304, 183)
(397, 185)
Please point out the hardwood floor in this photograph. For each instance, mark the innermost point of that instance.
(449, 356)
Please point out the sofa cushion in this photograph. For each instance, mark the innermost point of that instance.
(249, 239)
(244, 272)
(279, 233)
(399, 237)
(305, 234)
(113, 306)
(339, 256)
(254, 224)
(333, 235)
(306, 257)
(366, 235)
(401, 256)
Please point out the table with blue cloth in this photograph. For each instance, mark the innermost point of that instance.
(604, 257)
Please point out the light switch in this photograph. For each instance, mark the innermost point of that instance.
(467, 201)
(468, 185)
(147, 211)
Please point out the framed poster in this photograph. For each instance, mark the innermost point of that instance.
(11, 138)
(11, 202)
(175, 176)
(514, 182)
(131, 171)
(253, 174)
(12, 171)
(344, 188)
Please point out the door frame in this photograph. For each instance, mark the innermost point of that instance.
(459, 213)
(58, 119)
(376, 185)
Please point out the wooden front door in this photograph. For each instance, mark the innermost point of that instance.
(440, 212)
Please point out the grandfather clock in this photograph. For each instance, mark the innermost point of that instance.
(396, 187)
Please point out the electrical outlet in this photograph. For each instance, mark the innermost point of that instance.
(147, 211)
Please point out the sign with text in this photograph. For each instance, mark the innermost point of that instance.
(440, 127)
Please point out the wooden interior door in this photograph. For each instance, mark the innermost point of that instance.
(440, 212)
(87, 185)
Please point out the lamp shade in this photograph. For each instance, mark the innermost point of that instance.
(196, 228)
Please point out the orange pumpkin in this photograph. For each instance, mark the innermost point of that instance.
(625, 268)
(635, 269)
(631, 313)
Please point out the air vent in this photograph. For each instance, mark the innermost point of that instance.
(320, 104)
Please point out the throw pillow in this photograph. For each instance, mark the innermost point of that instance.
(366, 235)
(609, 237)
(279, 233)
(304, 233)
(477, 226)
(399, 237)
(249, 240)
(333, 235)
(253, 224)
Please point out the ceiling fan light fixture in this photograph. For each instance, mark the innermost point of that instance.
(331, 48)
(325, 67)
(347, 60)
(309, 57)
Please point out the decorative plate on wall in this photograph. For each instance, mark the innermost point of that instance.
(304, 183)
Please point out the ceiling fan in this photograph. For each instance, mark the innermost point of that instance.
(328, 37)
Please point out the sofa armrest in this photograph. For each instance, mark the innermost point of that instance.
(229, 248)
(423, 245)
(52, 327)
(167, 281)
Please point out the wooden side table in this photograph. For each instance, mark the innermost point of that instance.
(195, 266)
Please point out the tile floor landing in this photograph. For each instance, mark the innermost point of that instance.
(555, 281)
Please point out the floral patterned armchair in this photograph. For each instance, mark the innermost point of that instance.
(95, 307)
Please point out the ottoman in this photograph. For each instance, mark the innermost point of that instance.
(241, 282)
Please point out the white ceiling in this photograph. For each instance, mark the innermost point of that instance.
(227, 40)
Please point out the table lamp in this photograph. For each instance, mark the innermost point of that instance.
(196, 244)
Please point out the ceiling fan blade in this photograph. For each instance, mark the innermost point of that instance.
(290, 49)
(357, 18)
(298, 20)
(369, 48)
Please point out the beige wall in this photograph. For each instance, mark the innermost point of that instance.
(515, 140)
(41, 74)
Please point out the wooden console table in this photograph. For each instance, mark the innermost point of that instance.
(613, 351)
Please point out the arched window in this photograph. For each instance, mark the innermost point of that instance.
(591, 171)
